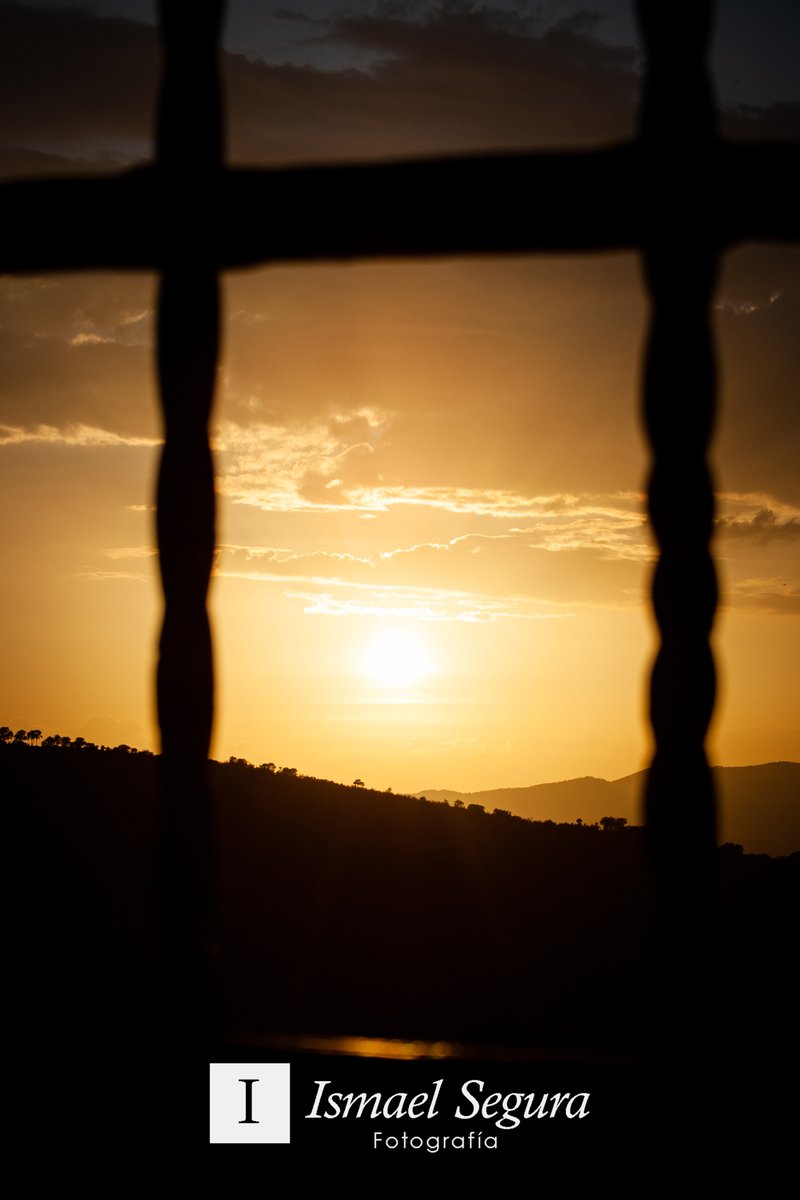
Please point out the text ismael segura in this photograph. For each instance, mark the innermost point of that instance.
(503, 1110)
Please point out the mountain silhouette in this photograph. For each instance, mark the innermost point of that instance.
(759, 805)
(342, 911)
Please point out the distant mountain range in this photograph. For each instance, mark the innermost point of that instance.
(759, 805)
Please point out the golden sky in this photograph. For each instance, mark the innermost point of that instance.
(433, 560)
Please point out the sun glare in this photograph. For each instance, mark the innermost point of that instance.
(396, 659)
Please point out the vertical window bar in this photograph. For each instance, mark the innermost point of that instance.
(680, 263)
(189, 158)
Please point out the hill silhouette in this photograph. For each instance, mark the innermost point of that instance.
(759, 805)
(349, 911)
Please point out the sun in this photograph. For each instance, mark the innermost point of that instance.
(396, 659)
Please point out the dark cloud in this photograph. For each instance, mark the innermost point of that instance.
(458, 79)
(294, 15)
(83, 87)
(79, 90)
(75, 86)
(765, 526)
(746, 122)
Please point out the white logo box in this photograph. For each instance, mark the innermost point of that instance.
(249, 1102)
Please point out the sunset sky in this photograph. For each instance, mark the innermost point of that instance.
(434, 560)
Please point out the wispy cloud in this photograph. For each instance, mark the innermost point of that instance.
(117, 326)
(70, 435)
(335, 584)
(272, 554)
(614, 533)
(521, 557)
(758, 518)
(773, 596)
(336, 465)
(89, 339)
(122, 552)
(104, 576)
(480, 502)
(449, 76)
(423, 604)
(134, 316)
(473, 578)
(15, 290)
(746, 308)
(309, 466)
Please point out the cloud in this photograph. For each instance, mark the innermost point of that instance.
(133, 318)
(100, 576)
(71, 435)
(457, 75)
(81, 88)
(279, 557)
(746, 308)
(75, 88)
(611, 533)
(581, 552)
(775, 596)
(757, 534)
(131, 552)
(78, 90)
(337, 464)
(512, 565)
(757, 442)
(76, 352)
(20, 291)
(469, 577)
(89, 339)
(319, 464)
(763, 527)
(423, 604)
(748, 122)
